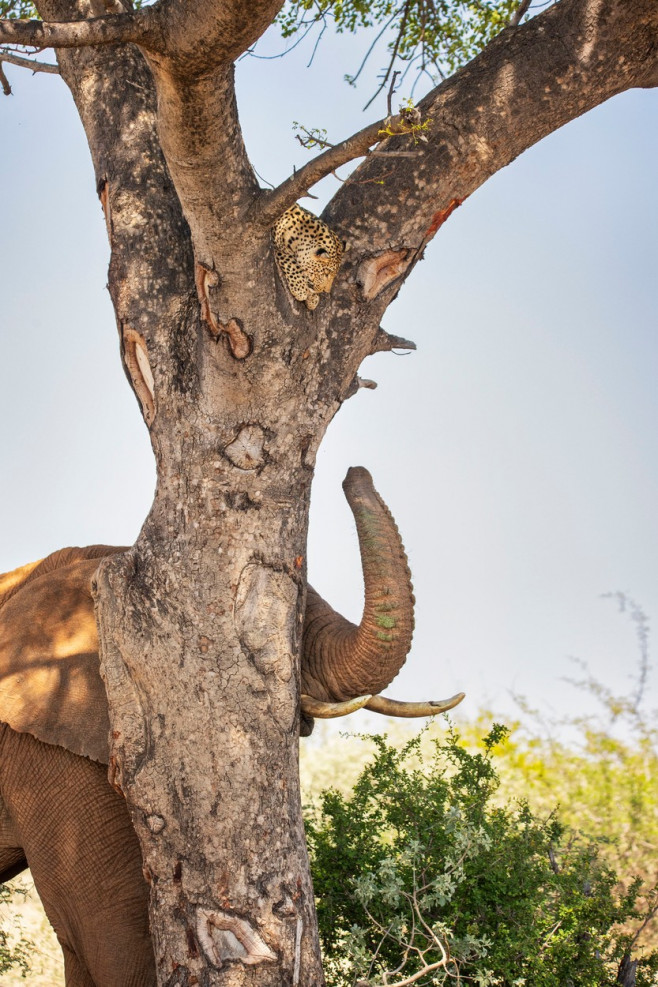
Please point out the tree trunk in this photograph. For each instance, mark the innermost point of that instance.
(200, 622)
(200, 626)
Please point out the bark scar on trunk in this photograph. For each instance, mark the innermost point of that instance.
(376, 272)
(247, 450)
(439, 218)
(136, 359)
(238, 340)
(104, 196)
(226, 937)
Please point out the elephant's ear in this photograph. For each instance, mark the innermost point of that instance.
(50, 684)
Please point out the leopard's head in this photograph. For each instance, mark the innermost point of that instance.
(308, 253)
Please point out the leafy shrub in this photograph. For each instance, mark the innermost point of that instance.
(600, 767)
(14, 948)
(422, 878)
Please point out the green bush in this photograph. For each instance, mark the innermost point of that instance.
(14, 948)
(422, 877)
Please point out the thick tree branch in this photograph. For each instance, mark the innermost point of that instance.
(201, 138)
(328, 161)
(27, 63)
(112, 29)
(527, 83)
(198, 123)
(194, 36)
(114, 93)
(197, 115)
(199, 35)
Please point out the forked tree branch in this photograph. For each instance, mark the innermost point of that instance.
(199, 35)
(328, 161)
(27, 63)
(191, 35)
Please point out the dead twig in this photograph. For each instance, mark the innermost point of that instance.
(391, 91)
(4, 81)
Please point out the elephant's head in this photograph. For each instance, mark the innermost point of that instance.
(50, 684)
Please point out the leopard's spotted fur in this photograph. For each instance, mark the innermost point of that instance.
(308, 253)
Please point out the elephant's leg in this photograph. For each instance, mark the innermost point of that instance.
(84, 857)
(12, 862)
(12, 857)
(75, 973)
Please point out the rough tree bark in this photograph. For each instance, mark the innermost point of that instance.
(200, 620)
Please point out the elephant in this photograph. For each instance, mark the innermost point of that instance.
(60, 816)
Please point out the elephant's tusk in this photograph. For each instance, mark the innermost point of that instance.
(326, 711)
(393, 707)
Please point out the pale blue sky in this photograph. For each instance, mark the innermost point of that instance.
(517, 448)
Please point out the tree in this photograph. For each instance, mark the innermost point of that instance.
(223, 362)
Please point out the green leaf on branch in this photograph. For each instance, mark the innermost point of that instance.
(310, 137)
(18, 10)
(434, 37)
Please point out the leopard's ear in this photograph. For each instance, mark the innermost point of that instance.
(50, 684)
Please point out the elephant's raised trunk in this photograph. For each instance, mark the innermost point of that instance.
(340, 660)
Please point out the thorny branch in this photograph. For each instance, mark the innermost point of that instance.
(419, 926)
(27, 63)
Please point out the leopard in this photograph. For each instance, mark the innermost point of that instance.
(308, 253)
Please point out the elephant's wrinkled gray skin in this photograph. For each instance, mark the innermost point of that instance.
(58, 813)
(74, 830)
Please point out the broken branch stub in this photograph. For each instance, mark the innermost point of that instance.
(247, 450)
(385, 342)
(358, 383)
